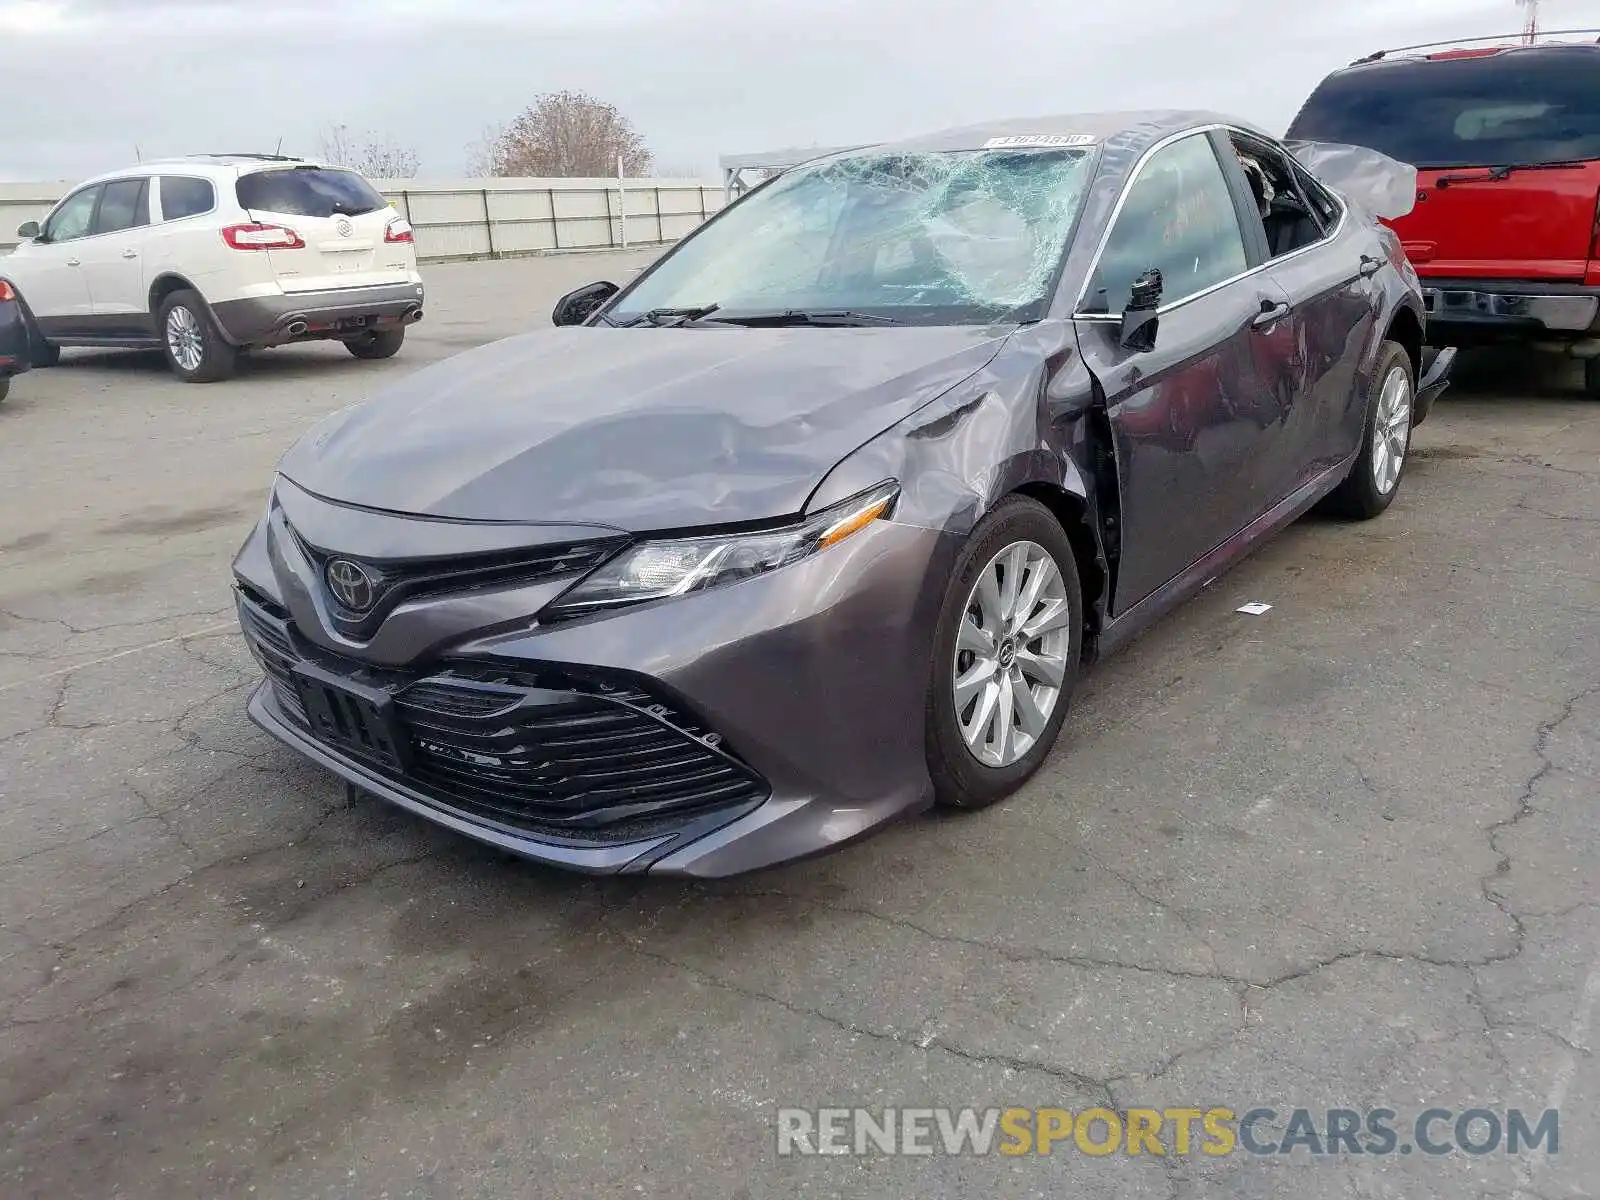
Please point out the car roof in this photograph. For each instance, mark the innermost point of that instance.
(219, 166)
(1134, 129)
(1435, 52)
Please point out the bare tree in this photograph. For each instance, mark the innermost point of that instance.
(566, 134)
(483, 154)
(373, 156)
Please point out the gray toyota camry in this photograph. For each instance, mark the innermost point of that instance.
(818, 520)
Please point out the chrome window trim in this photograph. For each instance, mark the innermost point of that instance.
(1116, 212)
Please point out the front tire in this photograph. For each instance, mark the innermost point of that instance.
(379, 343)
(192, 343)
(1006, 656)
(1374, 477)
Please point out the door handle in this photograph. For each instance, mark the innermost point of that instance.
(73, 262)
(130, 254)
(1369, 266)
(1271, 313)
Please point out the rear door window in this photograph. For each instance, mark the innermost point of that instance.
(184, 196)
(125, 205)
(1520, 106)
(309, 192)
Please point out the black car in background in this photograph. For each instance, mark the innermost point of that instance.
(816, 522)
(14, 358)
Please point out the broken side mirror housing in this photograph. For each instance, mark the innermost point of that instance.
(578, 306)
(1140, 319)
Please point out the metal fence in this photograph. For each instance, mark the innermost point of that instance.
(491, 218)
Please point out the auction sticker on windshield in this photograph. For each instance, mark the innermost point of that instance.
(1017, 140)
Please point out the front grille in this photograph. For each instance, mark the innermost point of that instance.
(536, 751)
(393, 583)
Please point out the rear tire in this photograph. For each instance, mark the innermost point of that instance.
(1374, 477)
(379, 343)
(193, 345)
(985, 661)
(1591, 378)
(5, 388)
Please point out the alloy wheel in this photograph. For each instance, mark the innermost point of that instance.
(184, 338)
(1391, 430)
(1011, 653)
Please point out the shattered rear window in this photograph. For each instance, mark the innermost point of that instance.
(955, 237)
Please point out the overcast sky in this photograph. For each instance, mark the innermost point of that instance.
(88, 80)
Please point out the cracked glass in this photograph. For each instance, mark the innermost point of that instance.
(930, 238)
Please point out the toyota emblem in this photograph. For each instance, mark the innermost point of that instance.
(344, 226)
(350, 584)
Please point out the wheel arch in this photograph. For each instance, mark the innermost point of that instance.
(165, 284)
(1071, 511)
(1405, 327)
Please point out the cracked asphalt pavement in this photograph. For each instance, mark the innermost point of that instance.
(1343, 854)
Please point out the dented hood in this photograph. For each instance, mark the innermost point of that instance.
(1384, 186)
(640, 429)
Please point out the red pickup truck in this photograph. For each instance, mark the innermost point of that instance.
(1506, 141)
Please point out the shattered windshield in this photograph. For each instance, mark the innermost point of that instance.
(931, 238)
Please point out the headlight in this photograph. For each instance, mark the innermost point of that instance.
(657, 570)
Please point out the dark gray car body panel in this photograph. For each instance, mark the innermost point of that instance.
(816, 674)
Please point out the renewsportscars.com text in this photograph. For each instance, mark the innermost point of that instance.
(1170, 1131)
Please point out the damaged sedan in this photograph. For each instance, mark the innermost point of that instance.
(818, 520)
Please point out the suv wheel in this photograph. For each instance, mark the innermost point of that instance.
(191, 341)
(1591, 377)
(5, 386)
(379, 343)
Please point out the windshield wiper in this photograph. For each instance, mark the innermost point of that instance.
(813, 316)
(677, 316)
(1496, 174)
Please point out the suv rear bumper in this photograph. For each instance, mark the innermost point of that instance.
(270, 320)
(1463, 311)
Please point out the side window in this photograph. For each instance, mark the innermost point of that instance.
(125, 205)
(1178, 218)
(1322, 200)
(71, 220)
(1289, 218)
(183, 196)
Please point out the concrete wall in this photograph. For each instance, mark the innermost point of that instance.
(481, 218)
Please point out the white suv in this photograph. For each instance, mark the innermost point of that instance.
(217, 253)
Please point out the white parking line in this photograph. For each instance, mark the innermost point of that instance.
(193, 633)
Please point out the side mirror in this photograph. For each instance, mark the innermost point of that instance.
(1140, 319)
(28, 230)
(578, 306)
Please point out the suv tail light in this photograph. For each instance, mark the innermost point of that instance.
(398, 230)
(5, 292)
(262, 237)
(1594, 243)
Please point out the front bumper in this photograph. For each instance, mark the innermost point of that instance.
(800, 694)
(345, 312)
(1462, 311)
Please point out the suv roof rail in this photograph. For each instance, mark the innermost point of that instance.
(1510, 41)
(248, 154)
